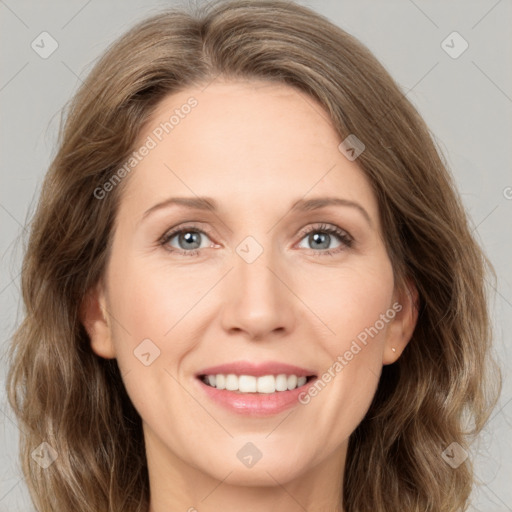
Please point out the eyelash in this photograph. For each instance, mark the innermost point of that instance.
(343, 236)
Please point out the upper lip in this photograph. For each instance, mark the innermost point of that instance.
(257, 369)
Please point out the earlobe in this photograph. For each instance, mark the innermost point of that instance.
(402, 327)
(94, 317)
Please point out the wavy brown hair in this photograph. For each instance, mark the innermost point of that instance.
(441, 390)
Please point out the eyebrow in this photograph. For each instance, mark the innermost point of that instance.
(301, 205)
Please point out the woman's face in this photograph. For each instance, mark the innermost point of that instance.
(252, 287)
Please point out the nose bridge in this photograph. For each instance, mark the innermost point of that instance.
(256, 282)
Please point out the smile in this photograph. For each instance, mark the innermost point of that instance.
(255, 389)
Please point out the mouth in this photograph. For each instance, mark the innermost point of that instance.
(255, 389)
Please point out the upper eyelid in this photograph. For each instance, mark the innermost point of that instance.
(320, 226)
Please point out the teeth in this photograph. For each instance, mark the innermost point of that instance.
(231, 382)
(281, 383)
(252, 384)
(247, 384)
(220, 381)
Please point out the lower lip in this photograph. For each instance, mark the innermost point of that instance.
(255, 404)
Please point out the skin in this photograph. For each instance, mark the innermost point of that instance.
(255, 148)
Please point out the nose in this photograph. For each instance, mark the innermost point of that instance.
(259, 302)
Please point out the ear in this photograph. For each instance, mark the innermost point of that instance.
(94, 317)
(401, 327)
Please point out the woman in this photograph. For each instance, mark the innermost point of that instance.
(324, 344)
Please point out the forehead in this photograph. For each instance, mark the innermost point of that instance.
(256, 143)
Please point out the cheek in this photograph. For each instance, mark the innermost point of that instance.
(150, 301)
(350, 302)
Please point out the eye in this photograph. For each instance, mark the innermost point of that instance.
(188, 239)
(320, 237)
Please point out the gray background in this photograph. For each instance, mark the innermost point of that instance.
(466, 101)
